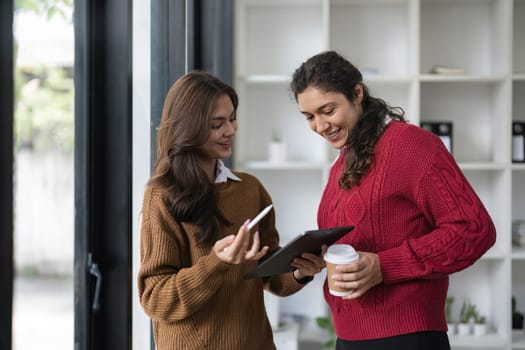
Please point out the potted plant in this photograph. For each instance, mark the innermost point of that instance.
(448, 315)
(466, 318)
(327, 325)
(277, 148)
(517, 316)
(480, 325)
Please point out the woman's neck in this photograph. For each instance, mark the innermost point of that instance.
(210, 168)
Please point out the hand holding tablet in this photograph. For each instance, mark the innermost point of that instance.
(306, 242)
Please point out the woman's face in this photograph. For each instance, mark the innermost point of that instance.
(223, 124)
(330, 114)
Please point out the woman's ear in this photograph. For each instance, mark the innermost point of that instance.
(358, 94)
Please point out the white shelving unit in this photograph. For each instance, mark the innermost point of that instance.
(395, 43)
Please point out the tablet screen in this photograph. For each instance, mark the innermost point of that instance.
(306, 242)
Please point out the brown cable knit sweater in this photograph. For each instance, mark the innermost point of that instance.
(195, 300)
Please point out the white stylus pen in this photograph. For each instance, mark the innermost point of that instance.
(256, 219)
(259, 216)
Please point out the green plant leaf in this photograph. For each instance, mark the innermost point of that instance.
(329, 343)
(323, 322)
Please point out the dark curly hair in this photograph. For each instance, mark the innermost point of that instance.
(184, 128)
(330, 72)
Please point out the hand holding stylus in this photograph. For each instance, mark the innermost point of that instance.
(236, 249)
(259, 217)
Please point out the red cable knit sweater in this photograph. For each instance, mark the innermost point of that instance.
(416, 210)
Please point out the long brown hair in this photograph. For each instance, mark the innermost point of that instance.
(330, 72)
(184, 128)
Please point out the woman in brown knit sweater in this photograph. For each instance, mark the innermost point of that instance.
(194, 207)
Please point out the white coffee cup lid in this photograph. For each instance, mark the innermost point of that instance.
(341, 254)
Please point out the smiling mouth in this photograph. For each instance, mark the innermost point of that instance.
(332, 135)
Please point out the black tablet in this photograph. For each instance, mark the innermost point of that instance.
(306, 242)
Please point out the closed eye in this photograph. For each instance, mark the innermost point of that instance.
(308, 116)
(218, 122)
(329, 112)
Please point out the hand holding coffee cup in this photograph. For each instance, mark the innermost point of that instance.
(338, 254)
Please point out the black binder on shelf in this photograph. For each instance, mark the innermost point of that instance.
(306, 242)
(443, 129)
(518, 142)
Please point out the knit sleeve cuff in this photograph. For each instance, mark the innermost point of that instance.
(395, 266)
(291, 285)
(303, 280)
(213, 264)
(285, 284)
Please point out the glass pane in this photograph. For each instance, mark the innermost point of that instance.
(43, 314)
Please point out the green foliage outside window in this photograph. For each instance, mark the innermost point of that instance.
(44, 95)
(49, 8)
(44, 118)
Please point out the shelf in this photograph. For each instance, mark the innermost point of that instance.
(280, 3)
(265, 109)
(387, 79)
(371, 46)
(289, 30)
(465, 34)
(476, 111)
(495, 254)
(484, 37)
(518, 291)
(265, 165)
(518, 200)
(518, 43)
(518, 339)
(429, 78)
(518, 253)
(481, 166)
(475, 284)
(266, 79)
(495, 341)
(518, 100)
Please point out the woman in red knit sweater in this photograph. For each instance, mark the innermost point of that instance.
(417, 218)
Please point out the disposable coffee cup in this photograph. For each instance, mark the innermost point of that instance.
(338, 254)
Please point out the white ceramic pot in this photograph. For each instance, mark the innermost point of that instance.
(463, 329)
(277, 152)
(452, 329)
(480, 329)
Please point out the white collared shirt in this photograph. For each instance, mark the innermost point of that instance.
(223, 173)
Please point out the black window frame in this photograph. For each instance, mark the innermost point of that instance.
(6, 172)
(103, 170)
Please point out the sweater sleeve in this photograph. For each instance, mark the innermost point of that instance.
(462, 228)
(168, 290)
